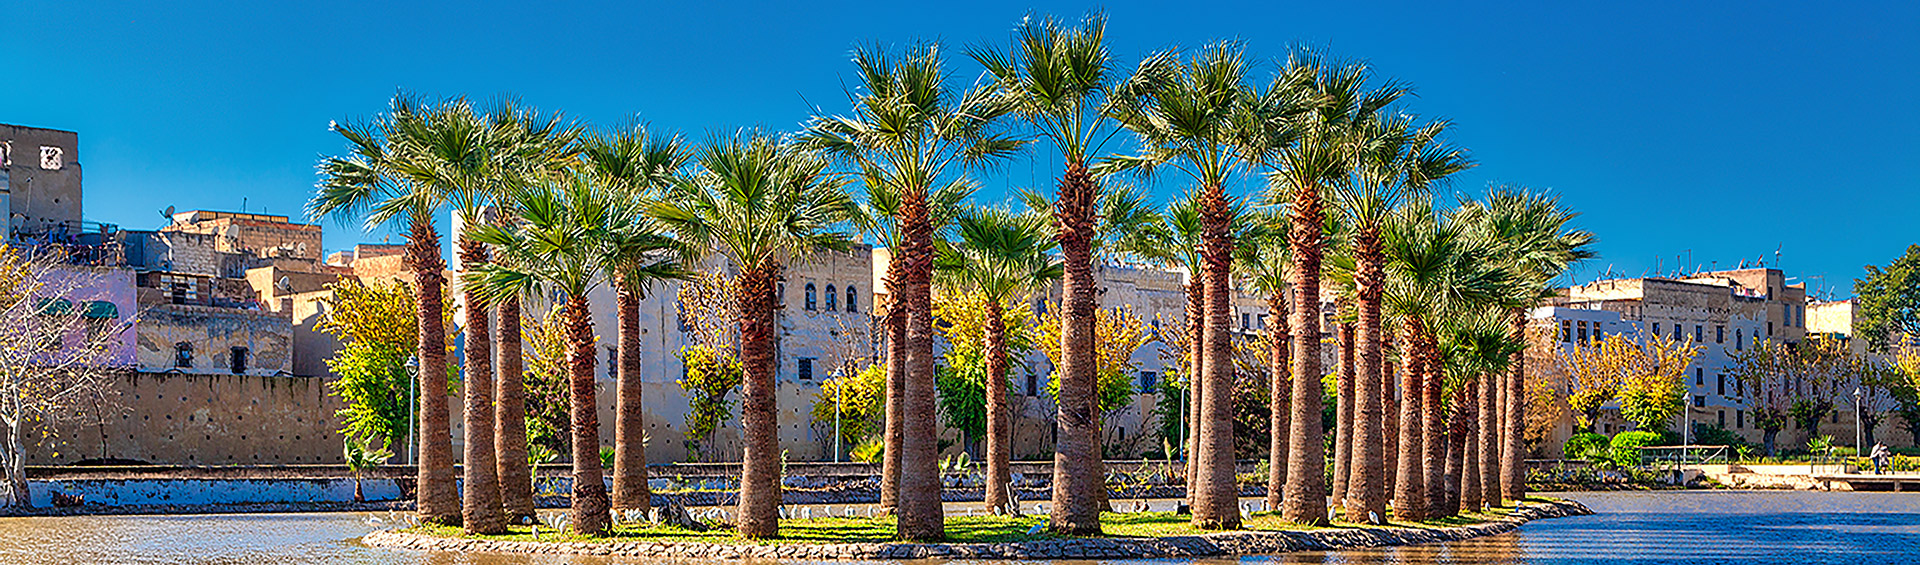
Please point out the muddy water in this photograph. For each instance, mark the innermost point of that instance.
(1631, 528)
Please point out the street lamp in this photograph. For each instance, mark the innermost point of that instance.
(1859, 433)
(413, 413)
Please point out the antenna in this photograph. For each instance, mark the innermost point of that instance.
(1776, 255)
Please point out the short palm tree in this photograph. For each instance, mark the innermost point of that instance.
(1001, 256)
(1537, 245)
(640, 165)
(1196, 121)
(761, 203)
(361, 458)
(1435, 269)
(368, 184)
(908, 129)
(561, 242)
(874, 215)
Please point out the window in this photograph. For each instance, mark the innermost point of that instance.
(1739, 419)
(1246, 321)
(1699, 376)
(1033, 385)
(238, 360)
(1676, 332)
(1148, 379)
(1739, 339)
(1582, 324)
(1719, 334)
(811, 304)
(1566, 331)
(1769, 327)
(853, 300)
(1656, 328)
(1699, 333)
(613, 363)
(805, 370)
(1723, 388)
(1699, 401)
(183, 355)
(1723, 418)
(833, 299)
(1740, 388)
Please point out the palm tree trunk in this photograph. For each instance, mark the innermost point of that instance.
(1367, 486)
(1196, 306)
(1279, 399)
(1433, 439)
(1513, 461)
(630, 490)
(921, 515)
(1306, 496)
(1409, 486)
(438, 496)
(589, 512)
(1456, 465)
(892, 439)
(481, 511)
(510, 416)
(999, 421)
(1488, 437)
(760, 461)
(1469, 414)
(1389, 421)
(1216, 502)
(1077, 482)
(1343, 414)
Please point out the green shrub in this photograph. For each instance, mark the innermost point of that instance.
(1578, 445)
(1626, 452)
(1716, 435)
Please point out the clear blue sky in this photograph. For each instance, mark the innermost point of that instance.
(1722, 129)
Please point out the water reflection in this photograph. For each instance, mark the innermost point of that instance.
(1632, 528)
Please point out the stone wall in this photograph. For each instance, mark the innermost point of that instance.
(214, 334)
(190, 419)
(41, 169)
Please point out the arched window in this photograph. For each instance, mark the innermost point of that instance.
(811, 304)
(833, 299)
(853, 300)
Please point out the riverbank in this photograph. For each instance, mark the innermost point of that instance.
(1039, 547)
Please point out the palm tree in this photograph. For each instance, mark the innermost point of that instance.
(1197, 121)
(1436, 269)
(1060, 79)
(1264, 261)
(369, 183)
(641, 166)
(874, 216)
(361, 458)
(1173, 243)
(1476, 344)
(909, 130)
(562, 242)
(1537, 245)
(761, 203)
(1002, 256)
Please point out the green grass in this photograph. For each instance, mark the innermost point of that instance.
(960, 529)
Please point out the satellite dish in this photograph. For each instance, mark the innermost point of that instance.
(286, 283)
(301, 248)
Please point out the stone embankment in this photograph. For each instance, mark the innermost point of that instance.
(1224, 543)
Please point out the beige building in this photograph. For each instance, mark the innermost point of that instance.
(40, 181)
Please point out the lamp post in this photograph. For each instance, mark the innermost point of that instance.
(1859, 433)
(839, 400)
(413, 413)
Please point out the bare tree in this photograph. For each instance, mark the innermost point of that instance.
(58, 355)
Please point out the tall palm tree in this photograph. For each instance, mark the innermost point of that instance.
(1477, 343)
(641, 165)
(1060, 79)
(1395, 158)
(761, 203)
(874, 215)
(1436, 268)
(562, 242)
(1537, 245)
(1318, 160)
(534, 148)
(909, 130)
(368, 183)
(1197, 122)
(1001, 256)
(1264, 261)
(1173, 243)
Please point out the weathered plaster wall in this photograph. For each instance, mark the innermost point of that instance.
(187, 419)
(213, 333)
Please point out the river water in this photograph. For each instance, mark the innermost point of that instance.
(1697, 527)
